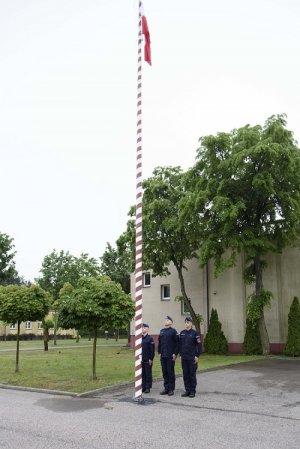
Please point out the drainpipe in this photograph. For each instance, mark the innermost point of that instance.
(207, 295)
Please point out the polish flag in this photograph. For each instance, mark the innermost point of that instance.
(145, 31)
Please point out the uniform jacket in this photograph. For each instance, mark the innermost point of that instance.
(189, 344)
(168, 342)
(148, 348)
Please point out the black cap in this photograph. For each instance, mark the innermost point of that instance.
(145, 325)
(189, 318)
(169, 318)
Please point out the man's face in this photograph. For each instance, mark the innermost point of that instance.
(145, 330)
(168, 323)
(188, 325)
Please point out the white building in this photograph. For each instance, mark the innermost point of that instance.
(227, 294)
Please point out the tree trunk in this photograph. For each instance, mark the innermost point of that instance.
(261, 322)
(18, 347)
(186, 300)
(265, 342)
(55, 328)
(128, 335)
(94, 354)
(46, 338)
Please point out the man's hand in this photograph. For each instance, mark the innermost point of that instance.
(174, 357)
(150, 362)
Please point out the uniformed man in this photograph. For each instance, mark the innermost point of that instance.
(148, 351)
(190, 350)
(167, 351)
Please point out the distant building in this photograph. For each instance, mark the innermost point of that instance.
(31, 328)
(227, 293)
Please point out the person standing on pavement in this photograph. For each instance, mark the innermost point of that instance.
(167, 351)
(148, 352)
(190, 350)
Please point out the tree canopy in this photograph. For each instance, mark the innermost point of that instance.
(8, 271)
(165, 238)
(95, 303)
(244, 196)
(61, 267)
(116, 265)
(20, 303)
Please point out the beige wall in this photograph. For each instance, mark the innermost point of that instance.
(155, 309)
(228, 294)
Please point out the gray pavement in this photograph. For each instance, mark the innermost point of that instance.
(252, 405)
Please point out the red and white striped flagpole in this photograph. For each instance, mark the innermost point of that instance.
(138, 224)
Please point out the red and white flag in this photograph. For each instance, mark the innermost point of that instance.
(146, 33)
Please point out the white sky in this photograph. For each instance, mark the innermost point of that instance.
(68, 104)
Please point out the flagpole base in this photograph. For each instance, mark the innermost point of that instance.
(140, 400)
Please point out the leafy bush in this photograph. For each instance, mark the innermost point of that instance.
(215, 341)
(252, 342)
(292, 347)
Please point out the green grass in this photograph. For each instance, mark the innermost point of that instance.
(69, 342)
(70, 370)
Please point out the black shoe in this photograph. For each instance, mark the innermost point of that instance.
(164, 392)
(171, 393)
(185, 395)
(192, 394)
(143, 390)
(147, 390)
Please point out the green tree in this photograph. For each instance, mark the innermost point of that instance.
(61, 267)
(95, 303)
(21, 303)
(165, 238)
(292, 346)
(116, 266)
(244, 196)
(215, 341)
(8, 272)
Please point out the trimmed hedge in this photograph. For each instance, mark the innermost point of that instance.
(252, 342)
(215, 341)
(26, 337)
(292, 347)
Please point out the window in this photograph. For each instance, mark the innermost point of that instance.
(13, 326)
(146, 279)
(40, 325)
(165, 292)
(28, 325)
(184, 309)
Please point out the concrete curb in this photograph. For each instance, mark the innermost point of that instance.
(38, 390)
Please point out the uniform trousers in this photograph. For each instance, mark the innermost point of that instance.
(168, 371)
(189, 368)
(146, 375)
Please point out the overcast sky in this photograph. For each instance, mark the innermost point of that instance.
(68, 104)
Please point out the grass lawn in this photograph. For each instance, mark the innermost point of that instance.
(4, 345)
(70, 369)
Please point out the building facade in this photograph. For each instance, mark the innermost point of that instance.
(31, 329)
(227, 294)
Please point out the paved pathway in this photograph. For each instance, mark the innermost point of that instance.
(254, 405)
(41, 347)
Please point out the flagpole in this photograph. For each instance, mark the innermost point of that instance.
(138, 225)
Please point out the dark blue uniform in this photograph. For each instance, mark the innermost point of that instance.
(148, 351)
(189, 348)
(167, 346)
